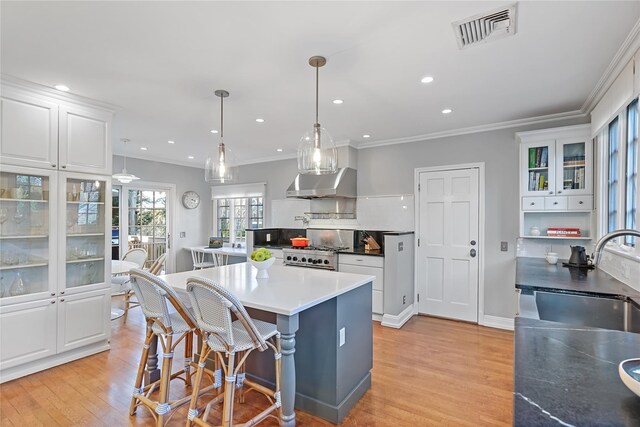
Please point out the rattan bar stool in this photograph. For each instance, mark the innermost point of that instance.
(230, 340)
(170, 327)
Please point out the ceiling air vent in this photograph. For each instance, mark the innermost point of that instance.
(486, 26)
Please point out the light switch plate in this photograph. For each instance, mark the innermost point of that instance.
(342, 337)
(183, 234)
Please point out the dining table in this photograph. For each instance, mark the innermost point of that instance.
(312, 309)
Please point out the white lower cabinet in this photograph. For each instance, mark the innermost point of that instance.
(367, 264)
(93, 308)
(27, 332)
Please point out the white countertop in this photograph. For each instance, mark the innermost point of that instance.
(225, 250)
(288, 290)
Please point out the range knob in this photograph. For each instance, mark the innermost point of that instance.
(326, 261)
(310, 260)
(314, 261)
(303, 259)
(295, 258)
(289, 258)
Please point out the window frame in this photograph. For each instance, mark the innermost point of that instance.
(619, 245)
(233, 238)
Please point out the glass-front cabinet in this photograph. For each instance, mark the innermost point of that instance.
(84, 245)
(27, 239)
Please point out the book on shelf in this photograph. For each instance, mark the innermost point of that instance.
(544, 157)
(564, 232)
(532, 158)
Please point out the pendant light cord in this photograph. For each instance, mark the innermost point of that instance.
(222, 119)
(317, 84)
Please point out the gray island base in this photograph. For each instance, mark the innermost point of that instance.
(329, 378)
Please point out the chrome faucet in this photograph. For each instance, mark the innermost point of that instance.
(604, 239)
(303, 218)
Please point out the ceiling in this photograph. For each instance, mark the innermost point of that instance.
(160, 62)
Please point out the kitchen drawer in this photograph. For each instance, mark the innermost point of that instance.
(532, 203)
(377, 302)
(558, 203)
(378, 282)
(368, 260)
(577, 203)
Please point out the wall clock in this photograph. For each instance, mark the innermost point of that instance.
(190, 199)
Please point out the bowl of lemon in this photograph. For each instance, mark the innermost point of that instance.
(262, 259)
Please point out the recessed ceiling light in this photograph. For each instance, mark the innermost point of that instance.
(143, 148)
(213, 131)
(190, 157)
(447, 111)
(279, 150)
(62, 88)
(260, 120)
(171, 142)
(338, 101)
(427, 79)
(366, 135)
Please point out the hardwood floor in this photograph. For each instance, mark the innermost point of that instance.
(430, 372)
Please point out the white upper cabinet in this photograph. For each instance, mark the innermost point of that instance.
(44, 132)
(84, 140)
(29, 135)
(556, 162)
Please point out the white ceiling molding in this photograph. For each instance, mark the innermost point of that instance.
(477, 129)
(255, 189)
(620, 60)
(15, 82)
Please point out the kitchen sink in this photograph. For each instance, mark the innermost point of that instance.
(580, 310)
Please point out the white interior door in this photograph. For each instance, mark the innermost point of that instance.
(447, 255)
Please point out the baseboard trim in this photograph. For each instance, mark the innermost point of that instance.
(497, 322)
(52, 361)
(398, 320)
(376, 317)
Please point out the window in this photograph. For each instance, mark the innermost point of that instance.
(613, 176)
(631, 171)
(235, 215)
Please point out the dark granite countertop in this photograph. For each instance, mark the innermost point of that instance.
(569, 376)
(537, 274)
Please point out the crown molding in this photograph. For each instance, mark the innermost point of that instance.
(17, 83)
(152, 158)
(577, 114)
(624, 54)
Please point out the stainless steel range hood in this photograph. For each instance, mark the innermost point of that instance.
(341, 184)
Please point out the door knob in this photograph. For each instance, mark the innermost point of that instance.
(472, 252)
(473, 243)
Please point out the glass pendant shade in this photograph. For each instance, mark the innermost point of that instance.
(220, 166)
(317, 153)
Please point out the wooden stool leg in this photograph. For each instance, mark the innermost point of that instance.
(229, 388)
(165, 379)
(140, 374)
(188, 355)
(240, 379)
(127, 303)
(193, 412)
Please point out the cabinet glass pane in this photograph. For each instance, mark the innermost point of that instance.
(24, 234)
(85, 242)
(573, 166)
(538, 168)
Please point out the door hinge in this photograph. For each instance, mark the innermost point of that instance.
(418, 187)
(418, 297)
(418, 242)
(169, 241)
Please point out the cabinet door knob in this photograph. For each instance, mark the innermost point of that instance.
(559, 191)
(533, 203)
(53, 165)
(62, 293)
(61, 299)
(53, 294)
(53, 302)
(550, 192)
(555, 203)
(580, 202)
(64, 166)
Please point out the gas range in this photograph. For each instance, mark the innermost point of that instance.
(314, 257)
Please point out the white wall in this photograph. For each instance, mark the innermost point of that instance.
(196, 223)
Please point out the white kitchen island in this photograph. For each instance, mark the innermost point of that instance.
(311, 307)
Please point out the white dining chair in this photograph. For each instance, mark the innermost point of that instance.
(199, 256)
(122, 283)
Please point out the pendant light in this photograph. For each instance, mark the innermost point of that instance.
(124, 177)
(317, 154)
(220, 165)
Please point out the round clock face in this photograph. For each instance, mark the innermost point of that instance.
(190, 199)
